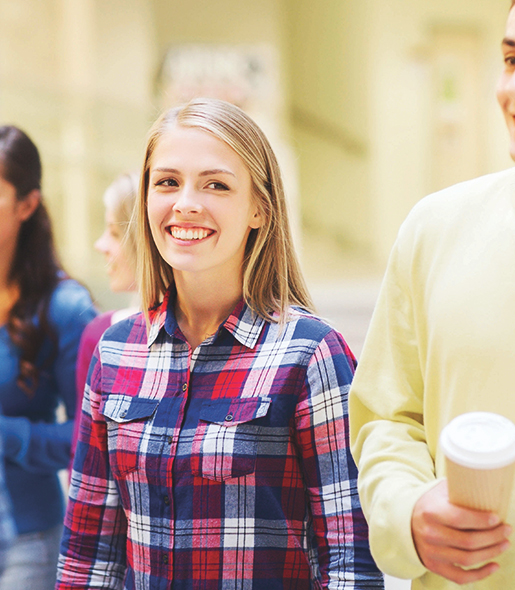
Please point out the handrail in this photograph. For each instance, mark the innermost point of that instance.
(328, 131)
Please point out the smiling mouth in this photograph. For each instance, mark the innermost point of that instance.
(195, 233)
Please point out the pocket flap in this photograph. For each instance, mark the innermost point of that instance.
(123, 408)
(231, 412)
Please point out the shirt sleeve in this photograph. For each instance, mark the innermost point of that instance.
(339, 526)
(93, 546)
(41, 446)
(387, 423)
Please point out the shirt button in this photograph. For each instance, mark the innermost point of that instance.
(169, 440)
(229, 418)
(167, 500)
(184, 386)
(164, 558)
(123, 414)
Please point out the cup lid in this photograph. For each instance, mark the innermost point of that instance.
(480, 440)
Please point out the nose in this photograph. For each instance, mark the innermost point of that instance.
(506, 86)
(187, 201)
(102, 245)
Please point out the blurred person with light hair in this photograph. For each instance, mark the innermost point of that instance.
(441, 343)
(118, 244)
(213, 450)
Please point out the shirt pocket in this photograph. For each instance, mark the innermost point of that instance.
(225, 441)
(128, 420)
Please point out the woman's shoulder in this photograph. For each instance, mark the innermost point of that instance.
(69, 292)
(319, 335)
(98, 326)
(309, 323)
(311, 329)
(71, 301)
(130, 329)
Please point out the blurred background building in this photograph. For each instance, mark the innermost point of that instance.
(370, 104)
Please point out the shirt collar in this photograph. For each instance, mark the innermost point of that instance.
(242, 323)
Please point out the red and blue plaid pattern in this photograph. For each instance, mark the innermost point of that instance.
(223, 468)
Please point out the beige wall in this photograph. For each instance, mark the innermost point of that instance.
(402, 100)
(77, 75)
(357, 102)
(363, 106)
(327, 58)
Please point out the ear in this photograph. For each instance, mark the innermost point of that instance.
(256, 220)
(29, 204)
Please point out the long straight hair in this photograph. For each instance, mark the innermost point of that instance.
(272, 279)
(35, 269)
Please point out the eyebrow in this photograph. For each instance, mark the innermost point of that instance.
(203, 173)
(508, 42)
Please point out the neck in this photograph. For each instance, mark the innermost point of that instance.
(202, 305)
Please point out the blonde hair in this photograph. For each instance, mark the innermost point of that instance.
(272, 279)
(120, 197)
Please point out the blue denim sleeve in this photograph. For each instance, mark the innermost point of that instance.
(41, 446)
(7, 527)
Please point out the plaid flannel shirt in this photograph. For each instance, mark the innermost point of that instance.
(227, 467)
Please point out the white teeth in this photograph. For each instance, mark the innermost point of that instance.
(189, 234)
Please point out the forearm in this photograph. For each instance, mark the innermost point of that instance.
(36, 446)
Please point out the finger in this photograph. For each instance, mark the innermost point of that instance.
(434, 507)
(469, 559)
(460, 576)
(470, 540)
(468, 519)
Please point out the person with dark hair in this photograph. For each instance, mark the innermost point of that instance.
(213, 449)
(42, 315)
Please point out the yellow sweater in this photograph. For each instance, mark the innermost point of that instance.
(441, 342)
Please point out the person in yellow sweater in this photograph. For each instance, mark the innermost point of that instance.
(441, 343)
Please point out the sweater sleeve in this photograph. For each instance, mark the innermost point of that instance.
(40, 446)
(388, 437)
(331, 477)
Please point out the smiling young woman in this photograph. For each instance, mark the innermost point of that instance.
(214, 449)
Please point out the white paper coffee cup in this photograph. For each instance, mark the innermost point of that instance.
(480, 455)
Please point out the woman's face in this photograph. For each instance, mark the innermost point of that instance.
(200, 206)
(120, 267)
(13, 212)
